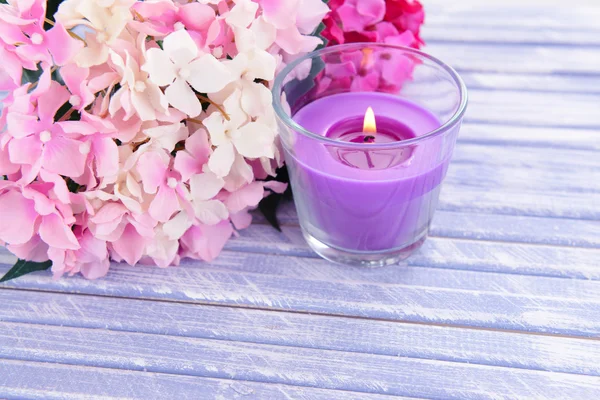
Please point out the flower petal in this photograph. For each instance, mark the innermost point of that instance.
(25, 151)
(130, 246)
(255, 140)
(248, 196)
(196, 16)
(177, 226)
(242, 14)
(241, 220)
(206, 242)
(310, 15)
(159, 67)
(168, 135)
(61, 45)
(180, 47)
(181, 96)
(18, 218)
(209, 75)
(54, 232)
(34, 250)
(164, 205)
(211, 212)
(221, 160)
(106, 153)
(152, 168)
(205, 186)
(62, 156)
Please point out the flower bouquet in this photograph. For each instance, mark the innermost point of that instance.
(143, 131)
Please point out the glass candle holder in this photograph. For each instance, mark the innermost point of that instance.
(368, 131)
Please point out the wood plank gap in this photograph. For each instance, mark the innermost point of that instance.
(323, 314)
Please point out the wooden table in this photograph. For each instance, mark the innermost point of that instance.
(503, 300)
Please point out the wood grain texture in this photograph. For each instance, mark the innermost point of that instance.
(284, 365)
(503, 301)
(415, 294)
(506, 135)
(448, 31)
(532, 82)
(534, 109)
(483, 347)
(516, 59)
(511, 14)
(35, 380)
(472, 255)
(495, 227)
(509, 228)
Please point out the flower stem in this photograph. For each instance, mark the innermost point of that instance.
(75, 36)
(67, 115)
(138, 16)
(196, 121)
(207, 100)
(34, 85)
(49, 22)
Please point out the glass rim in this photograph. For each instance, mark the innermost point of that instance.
(290, 123)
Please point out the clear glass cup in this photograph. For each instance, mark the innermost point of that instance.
(367, 198)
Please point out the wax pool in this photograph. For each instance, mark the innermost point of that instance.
(355, 206)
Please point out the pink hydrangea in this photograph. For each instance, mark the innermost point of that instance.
(384, 21)
(146, 137)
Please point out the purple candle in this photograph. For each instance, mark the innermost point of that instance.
(368, 131)
(366, 200)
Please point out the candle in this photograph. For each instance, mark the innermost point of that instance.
(362, 200)
(390, 130)
(367, 130)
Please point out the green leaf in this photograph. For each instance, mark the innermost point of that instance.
(30, 75)
(317, 33)
(23, 267)
(269, 205)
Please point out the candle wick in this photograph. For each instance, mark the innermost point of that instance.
(369, 139)
(369, 161)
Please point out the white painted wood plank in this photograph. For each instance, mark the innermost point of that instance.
(525, 169)
(439, 30)
(532, 82)
(481, 226)
(515, 156)
(484, 347)
(404, 293)
(285, 365)
(471, 255)
(508, 228)
(35, 380)
(534, 109)
(523, 179)
(507, 135)
(509, 202)
(535, 14)
(476, 57)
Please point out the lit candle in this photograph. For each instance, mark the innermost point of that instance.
(374, 130)
(367, 198)
(368, 134)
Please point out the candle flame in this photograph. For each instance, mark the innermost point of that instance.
(369, 125)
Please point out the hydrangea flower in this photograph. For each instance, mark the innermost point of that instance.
(147, 130)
